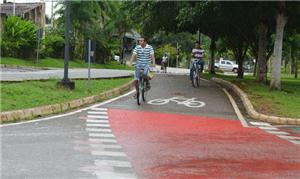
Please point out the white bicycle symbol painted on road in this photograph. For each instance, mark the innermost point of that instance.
(188, 102)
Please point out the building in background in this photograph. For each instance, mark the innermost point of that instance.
(34, 12)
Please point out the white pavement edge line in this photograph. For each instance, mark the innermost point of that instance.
(236, 109)
(71, 113)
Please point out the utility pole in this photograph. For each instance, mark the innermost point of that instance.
(65, 82)
(52, 18)
(14, 8)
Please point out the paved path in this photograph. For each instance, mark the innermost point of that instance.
(173, 140)
(21, 74)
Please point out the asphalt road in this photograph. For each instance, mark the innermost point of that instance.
(195, 134)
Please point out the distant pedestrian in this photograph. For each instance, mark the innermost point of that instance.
(164, 63)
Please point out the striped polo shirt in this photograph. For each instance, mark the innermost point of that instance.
(198, 53)
(143, 54)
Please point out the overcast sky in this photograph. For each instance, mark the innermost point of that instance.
(48, 4)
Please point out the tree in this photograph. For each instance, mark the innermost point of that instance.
(281, 20)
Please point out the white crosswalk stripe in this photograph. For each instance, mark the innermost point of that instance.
(260, 124)
(98, 130)
(96, 116)
(278, 132)
(288, 137)
(103, 143)
(275, 131)
(103, 140)
(268, 128)
(113, 163)
(112, 175)
(108, 153)
(99, 109)
(116, 146)
(100, 135)
(97, 125)
(97, 121)
(97, 112)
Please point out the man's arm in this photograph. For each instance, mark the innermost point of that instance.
(153, 59)
(133, 58)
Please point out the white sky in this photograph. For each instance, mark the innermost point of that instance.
(48, 4)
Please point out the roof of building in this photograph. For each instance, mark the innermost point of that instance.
(20, 8)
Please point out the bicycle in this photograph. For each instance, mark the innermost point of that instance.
(141, 87)
(196, 73)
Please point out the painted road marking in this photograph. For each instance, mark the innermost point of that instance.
(99, 109)
(97, 112)
(97, 121)
(188, 102)
(100, 135)
(297, 142)
(99, 117)
(112, 175)
(113, 163)
(288, 137)
(260, 124)
(275, 131)
(108, 153)
(106, 146)
(105, 140)
(97, 125)
(102, 143)
(268, 128)
(278, 132)
(98, 130)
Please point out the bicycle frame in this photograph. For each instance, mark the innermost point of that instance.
(141, 87)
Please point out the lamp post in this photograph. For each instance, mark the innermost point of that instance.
(65, 82)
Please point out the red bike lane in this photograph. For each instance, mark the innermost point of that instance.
(162, 145)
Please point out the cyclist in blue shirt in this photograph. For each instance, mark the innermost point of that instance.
(197, 57)
(144, 55)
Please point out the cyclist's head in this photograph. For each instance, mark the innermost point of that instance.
(143, 40)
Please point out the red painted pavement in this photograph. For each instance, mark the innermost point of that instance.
(172, 146)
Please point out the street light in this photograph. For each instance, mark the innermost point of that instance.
(65, 82)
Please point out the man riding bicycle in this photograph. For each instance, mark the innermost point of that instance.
(144, 55)
(197, 57)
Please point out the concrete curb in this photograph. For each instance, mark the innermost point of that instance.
(28, 114)
(250, 109)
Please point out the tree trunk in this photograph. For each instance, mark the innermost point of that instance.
(294, 67)
(212, 58)
(262, 59)
(281, 20)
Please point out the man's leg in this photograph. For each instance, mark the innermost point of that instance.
(147, 79)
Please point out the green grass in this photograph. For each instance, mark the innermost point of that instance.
(30, 94)
(59, 63)
(285, 103)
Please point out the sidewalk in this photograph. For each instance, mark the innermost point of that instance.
(12, 74)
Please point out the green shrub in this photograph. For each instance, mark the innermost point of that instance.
(171, 52)
(18, 38)
(53, 46)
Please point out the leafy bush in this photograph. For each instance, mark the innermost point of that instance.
(53, 46)
(171, 52)
(18, 38)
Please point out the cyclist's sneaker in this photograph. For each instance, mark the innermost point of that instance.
(135, 95)
(148, 87)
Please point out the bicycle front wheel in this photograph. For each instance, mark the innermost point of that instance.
(195, 78)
